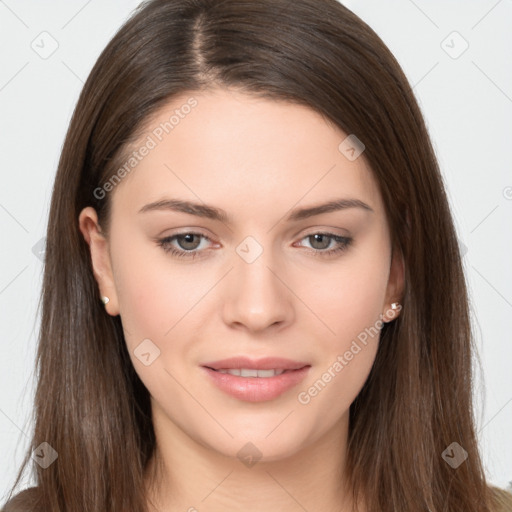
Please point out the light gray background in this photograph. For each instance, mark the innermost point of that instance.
(467, 102)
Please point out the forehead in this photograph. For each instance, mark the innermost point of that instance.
(240, 151)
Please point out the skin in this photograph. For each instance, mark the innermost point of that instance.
(256, 159)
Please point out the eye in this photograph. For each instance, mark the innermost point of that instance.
(188, 244)
(321, 242)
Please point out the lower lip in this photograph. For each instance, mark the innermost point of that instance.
(257, 389)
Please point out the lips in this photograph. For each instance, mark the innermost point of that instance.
(251, 380)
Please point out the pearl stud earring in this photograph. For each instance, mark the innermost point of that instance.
(105, 300)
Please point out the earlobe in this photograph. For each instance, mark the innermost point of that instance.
(100, 258)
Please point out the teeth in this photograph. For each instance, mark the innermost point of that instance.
(246, 372)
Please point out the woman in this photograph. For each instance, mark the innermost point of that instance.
(253, 295)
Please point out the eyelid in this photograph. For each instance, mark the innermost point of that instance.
(328, 230)
(173, 236)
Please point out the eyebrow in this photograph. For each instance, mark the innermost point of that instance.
(213, 213)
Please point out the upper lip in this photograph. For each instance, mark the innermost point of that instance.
(266, 363)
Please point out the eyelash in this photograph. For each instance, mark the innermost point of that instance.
(342, 241)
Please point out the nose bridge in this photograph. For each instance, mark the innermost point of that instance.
(256, 297)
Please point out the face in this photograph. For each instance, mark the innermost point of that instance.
(251, 271)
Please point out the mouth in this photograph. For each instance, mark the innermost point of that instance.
(256, 381)
(247, 363)
(252, 373)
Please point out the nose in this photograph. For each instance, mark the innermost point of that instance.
(256, 295)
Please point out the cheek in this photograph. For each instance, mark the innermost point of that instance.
(345, 357)
(154, 292)
(153, 301)
(348, 298)
(349, 302)
(149, 295)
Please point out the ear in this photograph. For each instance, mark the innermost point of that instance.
(395, 288)
(100, 256)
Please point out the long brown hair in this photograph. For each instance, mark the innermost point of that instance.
(90, 405)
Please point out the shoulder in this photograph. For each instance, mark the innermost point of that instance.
(24, 501)
(502, 499)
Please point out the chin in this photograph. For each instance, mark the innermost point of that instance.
(259, 447)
